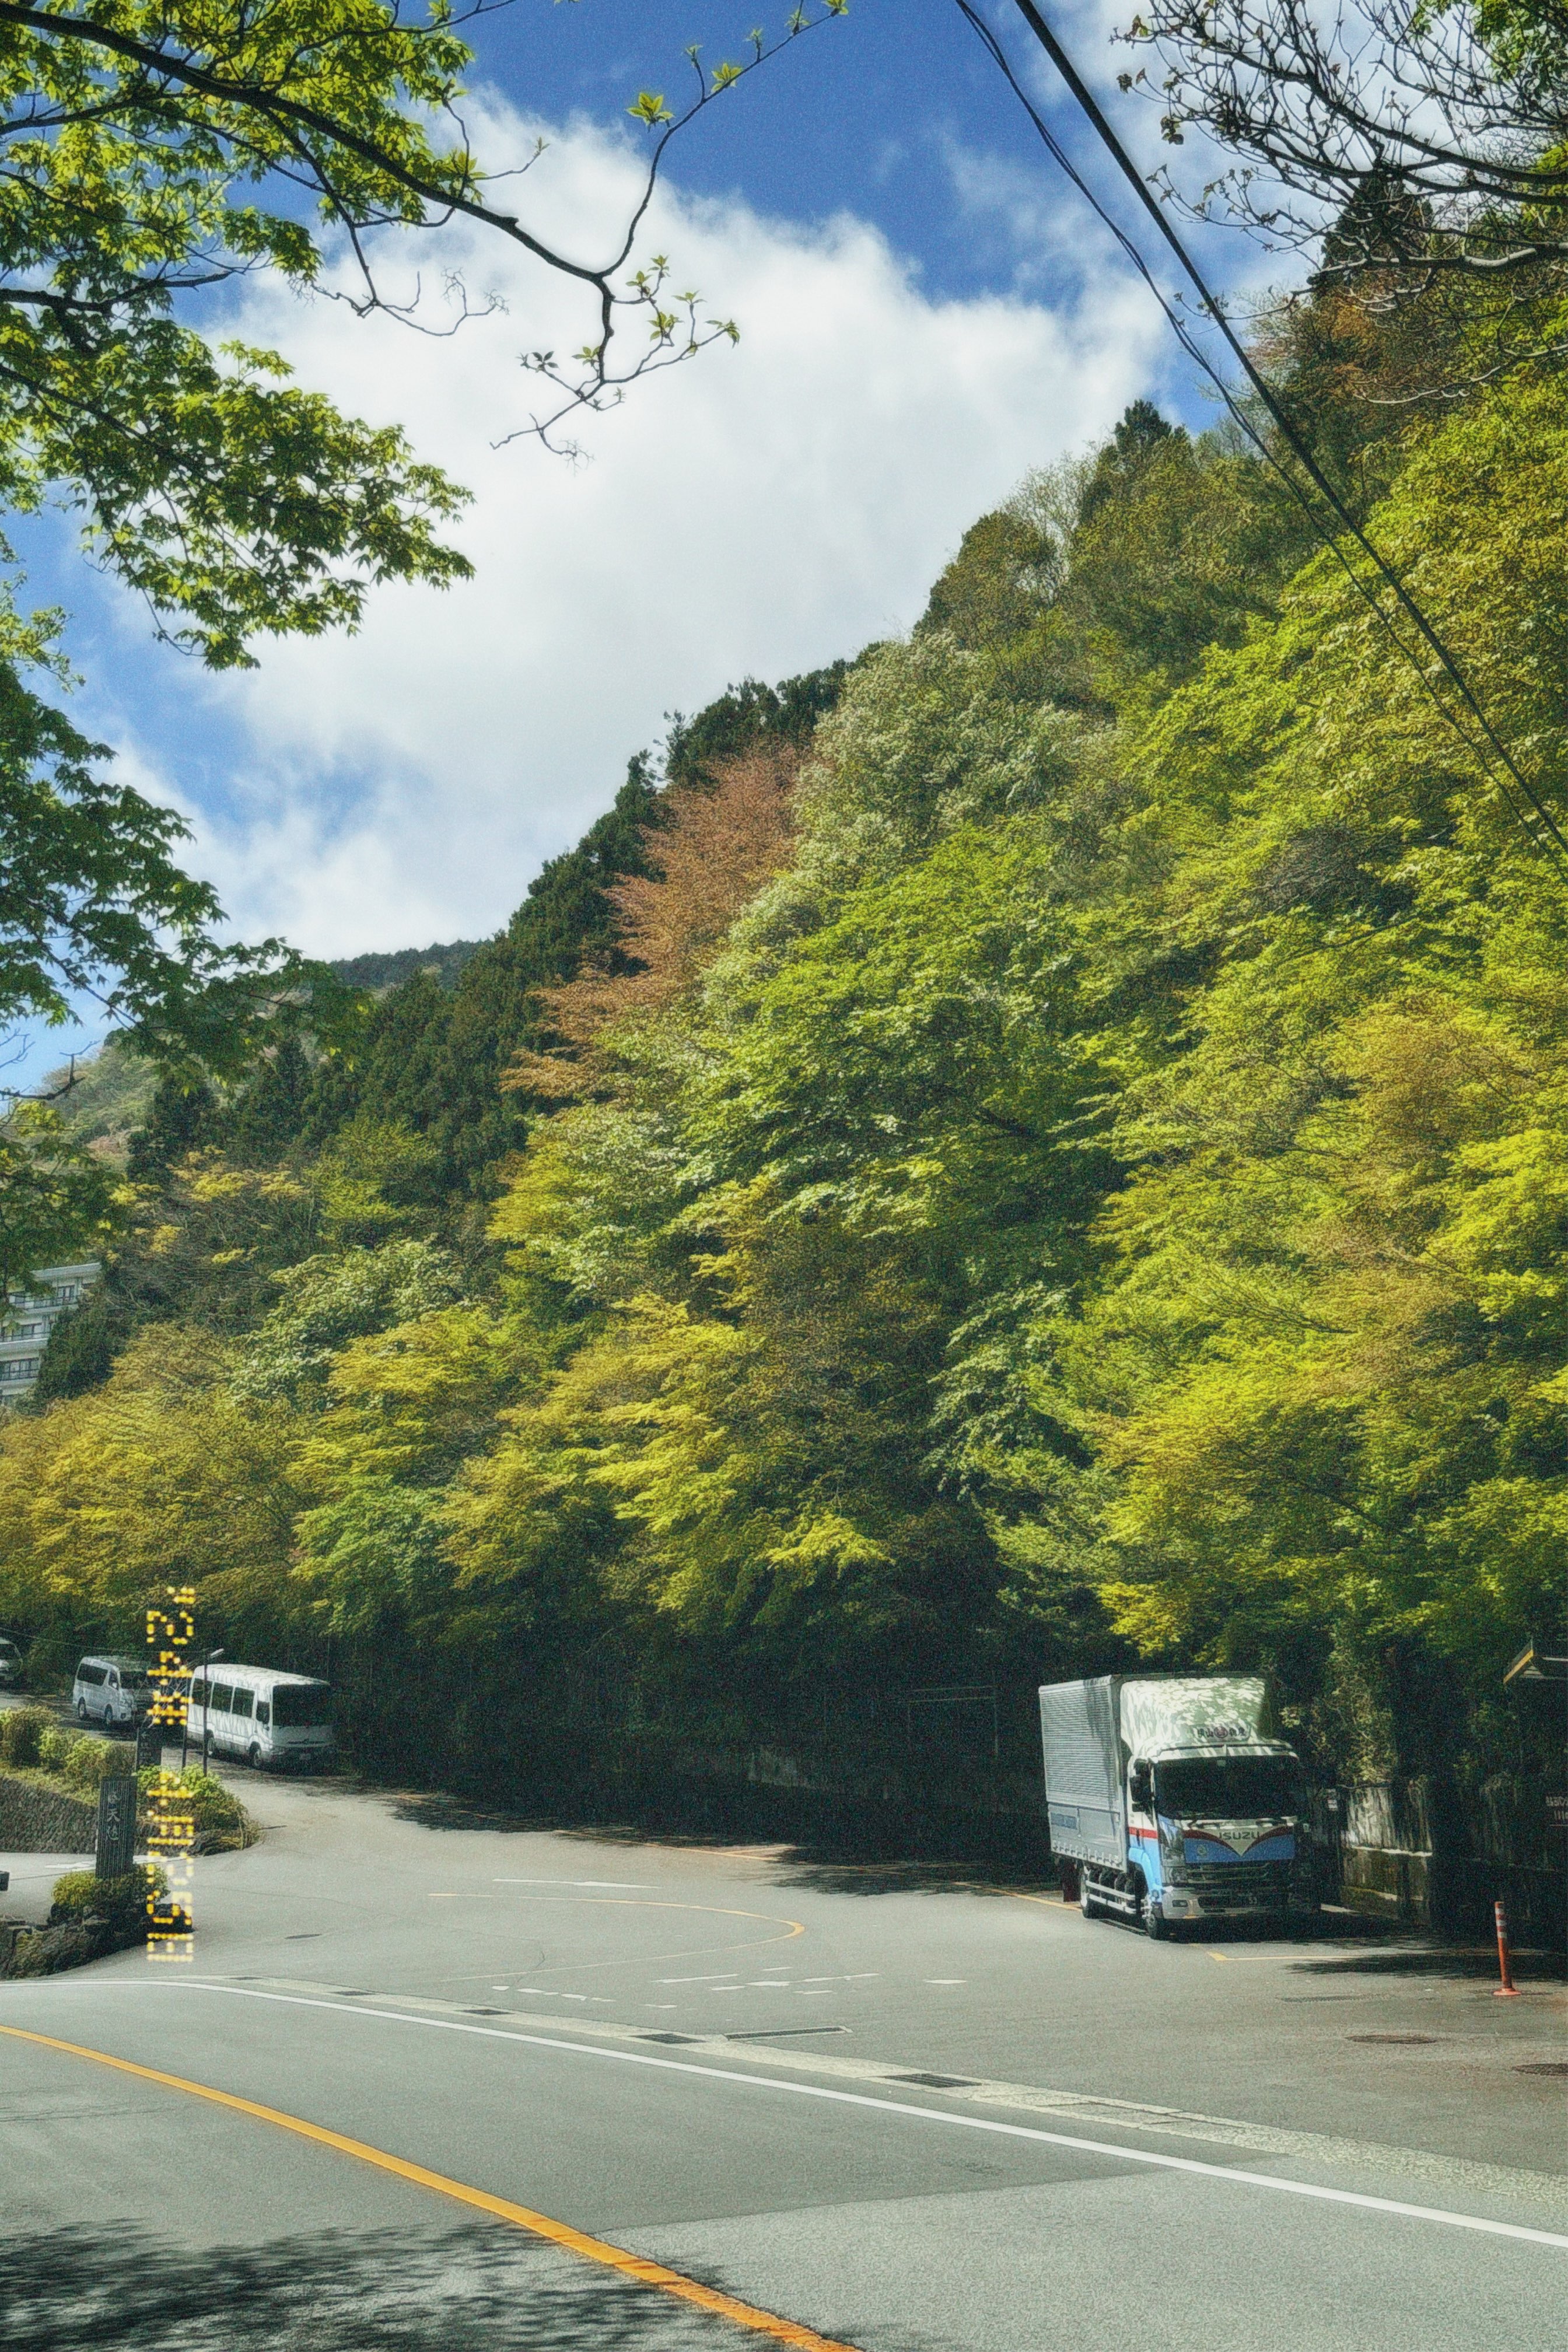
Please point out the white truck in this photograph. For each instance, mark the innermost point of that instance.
(1174, 1803)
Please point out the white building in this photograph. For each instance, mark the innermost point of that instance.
(29, 1315)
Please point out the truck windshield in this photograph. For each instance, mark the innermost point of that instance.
(297, 1705)
(1228, 1788)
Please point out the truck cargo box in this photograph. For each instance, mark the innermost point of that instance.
(1083, 1770)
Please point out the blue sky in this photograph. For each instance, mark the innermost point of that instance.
(858, 116)
(927, 312)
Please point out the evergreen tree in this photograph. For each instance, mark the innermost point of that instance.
(182, 1117)
(748, 716)
(268, 1114)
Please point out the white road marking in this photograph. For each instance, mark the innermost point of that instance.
(1273, 2182)
(615, 1886)
(1459, 2175)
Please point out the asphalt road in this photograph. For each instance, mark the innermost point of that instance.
(712, 2058)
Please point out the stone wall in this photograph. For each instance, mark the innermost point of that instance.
(28, 1952)
(38, 1820)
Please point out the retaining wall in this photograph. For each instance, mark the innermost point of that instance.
(37, 1820)
(1439, 1855)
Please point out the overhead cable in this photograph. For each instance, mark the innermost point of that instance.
(1534, 818)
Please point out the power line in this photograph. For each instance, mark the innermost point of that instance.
(1543, 834)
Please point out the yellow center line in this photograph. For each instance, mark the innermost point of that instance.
(540, 2225)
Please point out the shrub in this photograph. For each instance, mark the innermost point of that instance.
(89, 1761)
(120, 1903)
(78, 1760)
(221, 1821)
(21, 1734)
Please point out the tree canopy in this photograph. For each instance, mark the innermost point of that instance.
(1037, 1150)
(152, 155)
(1055, 1160)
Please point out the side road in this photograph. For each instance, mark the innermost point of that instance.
(1395, 2041)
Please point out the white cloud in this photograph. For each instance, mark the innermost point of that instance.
(755, 512)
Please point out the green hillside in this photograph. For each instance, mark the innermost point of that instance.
(1038, 1150)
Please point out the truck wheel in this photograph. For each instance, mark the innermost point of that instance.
(1154, 1921)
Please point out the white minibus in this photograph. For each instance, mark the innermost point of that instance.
(267, 1719)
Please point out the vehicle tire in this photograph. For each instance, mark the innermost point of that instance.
(1085, 1897)
(81, 1711)
(209, 1749)
(1154, 1926)
(253, 1756)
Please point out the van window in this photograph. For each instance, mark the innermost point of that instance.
(198, 1692)
(88, 1673)
(263, 1711)
(222, 1696)
(299, 1706)
(244, 1700)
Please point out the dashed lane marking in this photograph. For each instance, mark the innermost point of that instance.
(521, 2217)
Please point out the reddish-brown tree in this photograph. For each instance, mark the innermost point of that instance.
(717, 843)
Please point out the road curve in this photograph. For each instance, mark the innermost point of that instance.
(888, 2109)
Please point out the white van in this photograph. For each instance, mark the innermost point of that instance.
(111, 1690)
(267, 1719)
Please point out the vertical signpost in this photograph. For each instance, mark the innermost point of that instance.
(171, 1631)
(116, 1826)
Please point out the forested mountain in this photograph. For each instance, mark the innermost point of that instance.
(378, 969)
(1041, 1148)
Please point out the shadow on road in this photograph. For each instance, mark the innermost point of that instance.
(827, 1873)
(481, 2289)
(1456, 1961)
